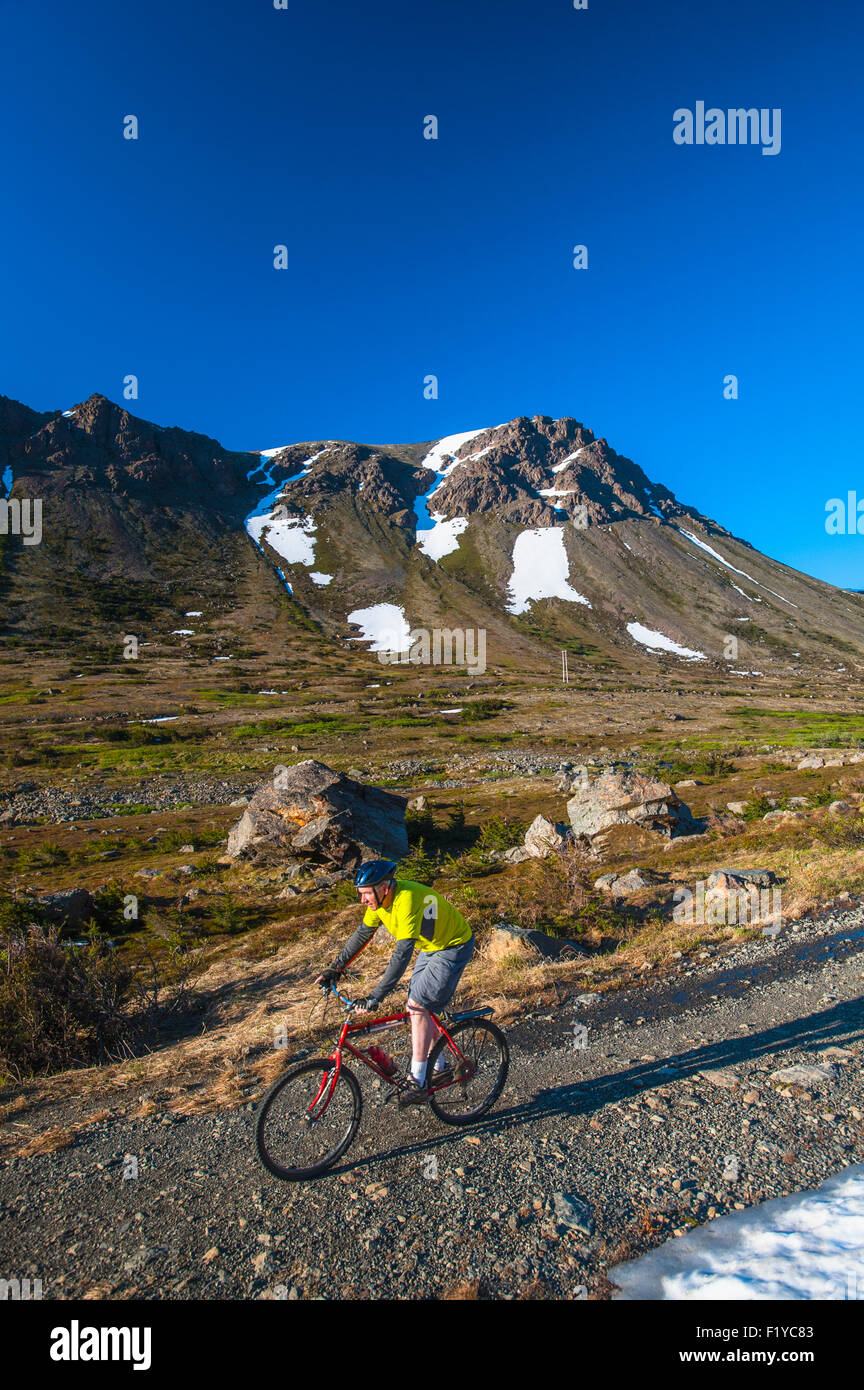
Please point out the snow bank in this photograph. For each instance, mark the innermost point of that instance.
(807, 1246)
(540, 569)
(657, 641)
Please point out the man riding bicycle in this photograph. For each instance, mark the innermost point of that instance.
(415, 916)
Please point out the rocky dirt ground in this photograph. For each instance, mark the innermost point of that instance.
(669, 1116)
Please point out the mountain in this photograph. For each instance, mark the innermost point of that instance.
(534, 530)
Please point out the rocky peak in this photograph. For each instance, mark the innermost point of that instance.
(101, 444)
(538, 471)
(374, 480)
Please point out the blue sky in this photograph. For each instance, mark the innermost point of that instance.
(410, 257)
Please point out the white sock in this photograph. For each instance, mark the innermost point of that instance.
(418, 1071)
(441, 1063)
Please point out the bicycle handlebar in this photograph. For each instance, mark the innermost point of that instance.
(349, 1003)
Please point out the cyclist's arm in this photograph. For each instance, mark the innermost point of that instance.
(396, 969)
(351, 950)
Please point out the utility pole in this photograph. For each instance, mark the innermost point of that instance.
(565, 669)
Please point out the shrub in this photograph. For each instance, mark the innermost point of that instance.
(59, 1005)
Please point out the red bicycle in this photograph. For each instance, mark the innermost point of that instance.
(310, 1116)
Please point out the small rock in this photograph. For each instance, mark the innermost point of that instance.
(573, 1212)
(516, 855)
(838, 808)
(722, 1077)
(805, 1075)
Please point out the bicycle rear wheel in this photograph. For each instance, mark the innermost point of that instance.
(295, 1140)
(478, 1079)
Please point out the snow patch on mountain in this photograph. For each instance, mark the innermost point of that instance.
(384, 625)
(688, 535)
(443, 538)
(320, 579)
(292, 537)
(432, 530)
(540, 569)
(569, 459)
(658, 641)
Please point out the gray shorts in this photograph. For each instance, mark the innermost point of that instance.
(436, 975)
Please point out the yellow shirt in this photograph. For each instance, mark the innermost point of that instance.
(422, 915)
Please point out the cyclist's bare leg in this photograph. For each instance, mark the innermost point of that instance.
(424, 1032)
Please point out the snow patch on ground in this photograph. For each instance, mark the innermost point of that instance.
(194, 613)
(540, 569)
(384, 625)
(320, 579)
(806, 1246)
(710, 551)
(657, 641)
(182, 632)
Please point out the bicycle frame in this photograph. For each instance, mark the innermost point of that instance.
(373, 1025)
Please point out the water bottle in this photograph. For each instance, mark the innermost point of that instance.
(386, 1063)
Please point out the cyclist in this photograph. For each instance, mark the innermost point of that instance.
(415, 916)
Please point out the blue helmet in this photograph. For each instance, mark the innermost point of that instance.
(373, 872)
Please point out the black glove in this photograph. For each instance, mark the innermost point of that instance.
(328, 978)
(368, 1005)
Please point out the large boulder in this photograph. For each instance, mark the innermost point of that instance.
(543, 837)
(69, 905)
(630, 800)
(311, 814)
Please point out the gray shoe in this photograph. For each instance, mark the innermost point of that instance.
(412, 1093)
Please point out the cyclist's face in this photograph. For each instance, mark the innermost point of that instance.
(374, 896)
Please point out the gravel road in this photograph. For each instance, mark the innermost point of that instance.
(667, 1117)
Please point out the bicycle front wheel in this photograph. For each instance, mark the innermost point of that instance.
(477, 1077)
(304, 1124)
